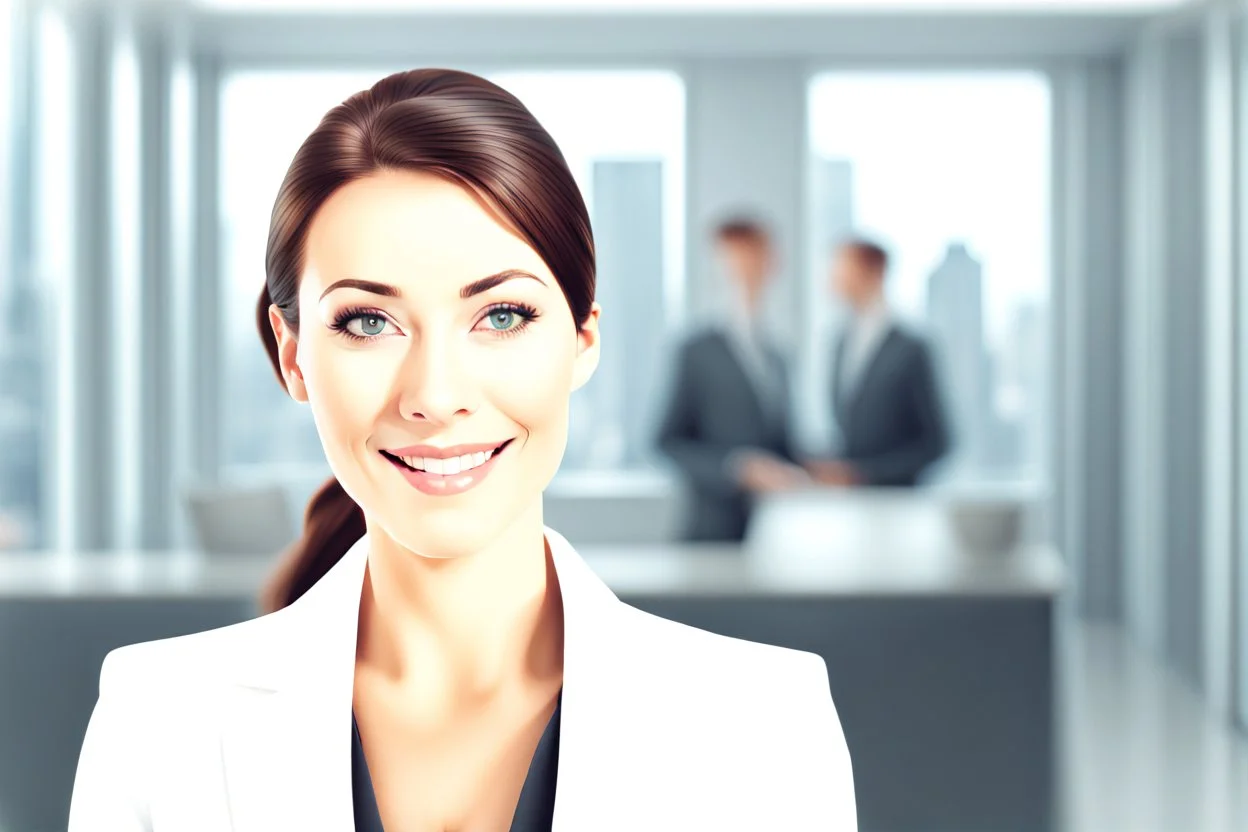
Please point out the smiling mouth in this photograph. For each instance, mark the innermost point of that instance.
(450, 466)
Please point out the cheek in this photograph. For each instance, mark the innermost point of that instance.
(347, 388)
(529, 379)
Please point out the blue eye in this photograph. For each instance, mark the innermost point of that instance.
(360, 324)
(510, 318)
(367, 325)
(502, 319)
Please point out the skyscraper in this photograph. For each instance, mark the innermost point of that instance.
(955, 314)
(1030, 334)
(832, 195)
(22, 343)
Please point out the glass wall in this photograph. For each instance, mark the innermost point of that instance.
(28, 340)
(1240, 604)
(622, 133)
(19, 497)
(951, 173)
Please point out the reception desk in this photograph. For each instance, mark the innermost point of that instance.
(941, 662)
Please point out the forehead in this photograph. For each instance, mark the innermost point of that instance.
(409, 227)
(850, 256)
(744, 242)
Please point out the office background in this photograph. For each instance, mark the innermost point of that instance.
(1062, 189)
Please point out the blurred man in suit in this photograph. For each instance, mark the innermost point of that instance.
(884, 391)
(726, 425)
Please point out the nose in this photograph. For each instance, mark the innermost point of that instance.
(434, 385)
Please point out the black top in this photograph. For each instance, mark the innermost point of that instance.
(536, 807)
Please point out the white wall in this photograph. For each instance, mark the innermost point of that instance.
(1089, 172)
(1183, 370)
(746, 151)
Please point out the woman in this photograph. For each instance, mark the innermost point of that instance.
(435, 657)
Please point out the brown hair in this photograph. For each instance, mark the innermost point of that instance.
(451, 124)
(870, 253)
(741, 228)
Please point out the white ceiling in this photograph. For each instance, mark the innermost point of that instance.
(1132, 7)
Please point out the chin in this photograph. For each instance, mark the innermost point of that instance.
(446, 534)
(430, 541)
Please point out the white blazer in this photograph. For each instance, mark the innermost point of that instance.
(663, 726)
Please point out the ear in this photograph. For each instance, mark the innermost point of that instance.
(288, 354)
(587, 349)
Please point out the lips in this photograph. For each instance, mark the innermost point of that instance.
(447, 473)
(434, 452)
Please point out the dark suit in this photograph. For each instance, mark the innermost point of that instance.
(893, 424)
(713, 409)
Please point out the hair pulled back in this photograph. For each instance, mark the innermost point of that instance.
(451, 124)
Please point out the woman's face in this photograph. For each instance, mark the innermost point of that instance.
(438, 355)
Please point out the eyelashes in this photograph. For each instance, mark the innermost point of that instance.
(342, 323)
(522, 313)
(358, 323)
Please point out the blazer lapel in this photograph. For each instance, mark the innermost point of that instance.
(838, 378)
(288, 764)
(747, 381)
(876, 363)
(287, 750)
(587, 794)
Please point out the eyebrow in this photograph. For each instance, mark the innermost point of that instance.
(487, 283)
(474, 288)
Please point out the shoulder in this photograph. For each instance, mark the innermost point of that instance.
(719, 678)
(193, 662)
(152, 726)
(913, 341)
(703, 338)
(705, 658)
(758, 716)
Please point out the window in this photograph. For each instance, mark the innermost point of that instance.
(27, 329)
(951, 173)
(1240, 638)
(622, 134)
(19, 490)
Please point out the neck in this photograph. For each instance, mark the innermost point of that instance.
(461, 630)
(870, 303)
(747, 303)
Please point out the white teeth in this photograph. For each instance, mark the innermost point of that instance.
(447, 467)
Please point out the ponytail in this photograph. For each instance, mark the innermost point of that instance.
(331, 523)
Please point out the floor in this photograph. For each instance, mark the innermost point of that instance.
(1142, 753)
